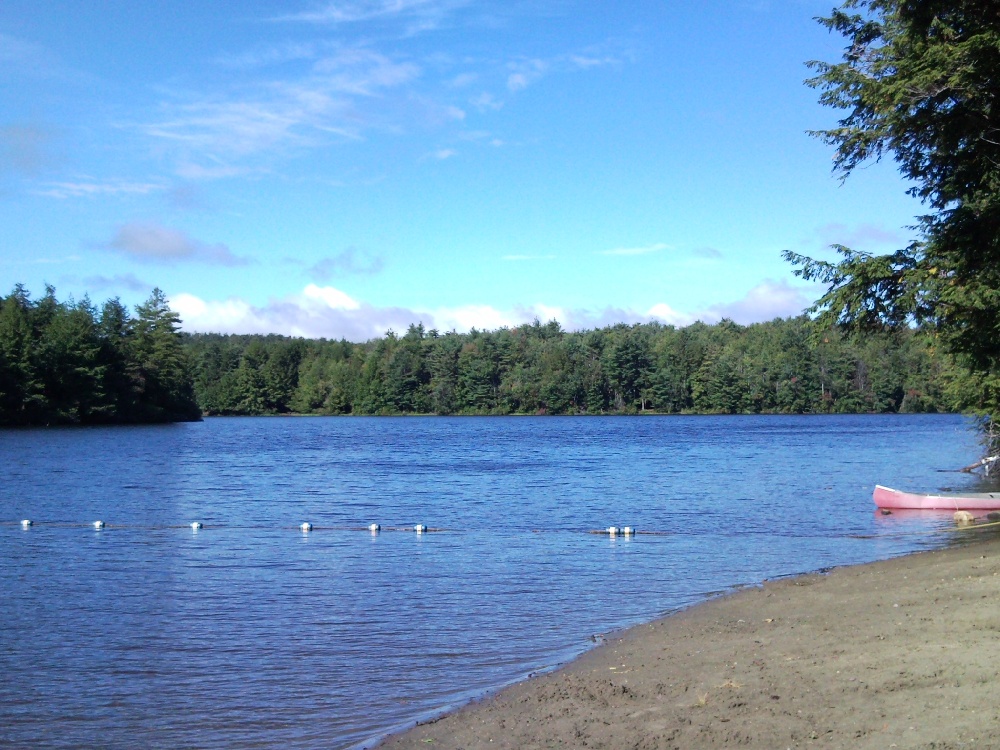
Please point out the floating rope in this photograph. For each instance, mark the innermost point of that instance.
(613, 532)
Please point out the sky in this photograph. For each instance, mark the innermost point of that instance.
(340, 168)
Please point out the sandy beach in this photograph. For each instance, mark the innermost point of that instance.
(894, 654)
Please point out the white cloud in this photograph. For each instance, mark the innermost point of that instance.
(419, 15)
(191, 171)
(487, 102)
(666, 314)
(766, 301)
(517, 81)
(525, 72)
(329, 297)
(328, 312)
(316, 312)
(585, 61)
(150, 242)
(655, 248)
(64, 190)
(482, 317)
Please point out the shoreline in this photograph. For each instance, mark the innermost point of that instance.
(893, 653)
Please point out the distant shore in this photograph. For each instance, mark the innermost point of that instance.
(893, 654)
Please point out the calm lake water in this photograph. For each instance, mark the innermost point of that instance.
(251, 633)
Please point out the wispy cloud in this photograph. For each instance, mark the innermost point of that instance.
(25, 58)
(64, 190)
(486, 102)
(271, 55)
(154, 243)
(523, 72)
(127, 281)
(55, 261)
(709, 253)
(328, 103)
(417, 15)
(215, 171)
(351, 262)
(869, 237)
(644, 250)
(362, 71)
(463, 79)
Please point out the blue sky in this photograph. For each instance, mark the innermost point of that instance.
(340, 168)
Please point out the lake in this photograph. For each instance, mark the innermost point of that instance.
(251, 633)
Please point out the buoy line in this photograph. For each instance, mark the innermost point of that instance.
(612, 532)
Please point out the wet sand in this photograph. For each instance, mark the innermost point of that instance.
(902, 653)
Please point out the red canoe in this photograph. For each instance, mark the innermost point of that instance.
(889, 498)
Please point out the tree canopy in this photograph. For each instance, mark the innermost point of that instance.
(70, 363)
(920, 82)
(777, 367)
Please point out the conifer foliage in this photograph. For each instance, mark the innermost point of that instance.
(920, 82)
(779, 367)
(69, 363)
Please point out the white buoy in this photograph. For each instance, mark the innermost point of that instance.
(628, 531)
(196, 525)
(306, 526)
(26, 523)
(98, 524)
(374, 527)
(420, 528)
(613, 530)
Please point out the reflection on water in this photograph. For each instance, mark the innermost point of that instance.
(251, 633)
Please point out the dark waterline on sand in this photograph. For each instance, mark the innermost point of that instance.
(250, 633)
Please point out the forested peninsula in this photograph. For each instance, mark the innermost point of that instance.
(782, 366)
(74, 363)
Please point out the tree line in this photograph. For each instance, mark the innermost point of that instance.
(782, 366)
(72, 363)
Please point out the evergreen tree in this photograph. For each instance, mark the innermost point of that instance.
(161, 366)
(920, 81)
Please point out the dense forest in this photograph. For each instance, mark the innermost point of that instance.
(74, 363)
(71, 363)
(783, 366)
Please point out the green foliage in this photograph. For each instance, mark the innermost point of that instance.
(920, 81)
(779, 366)
(65, 363)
